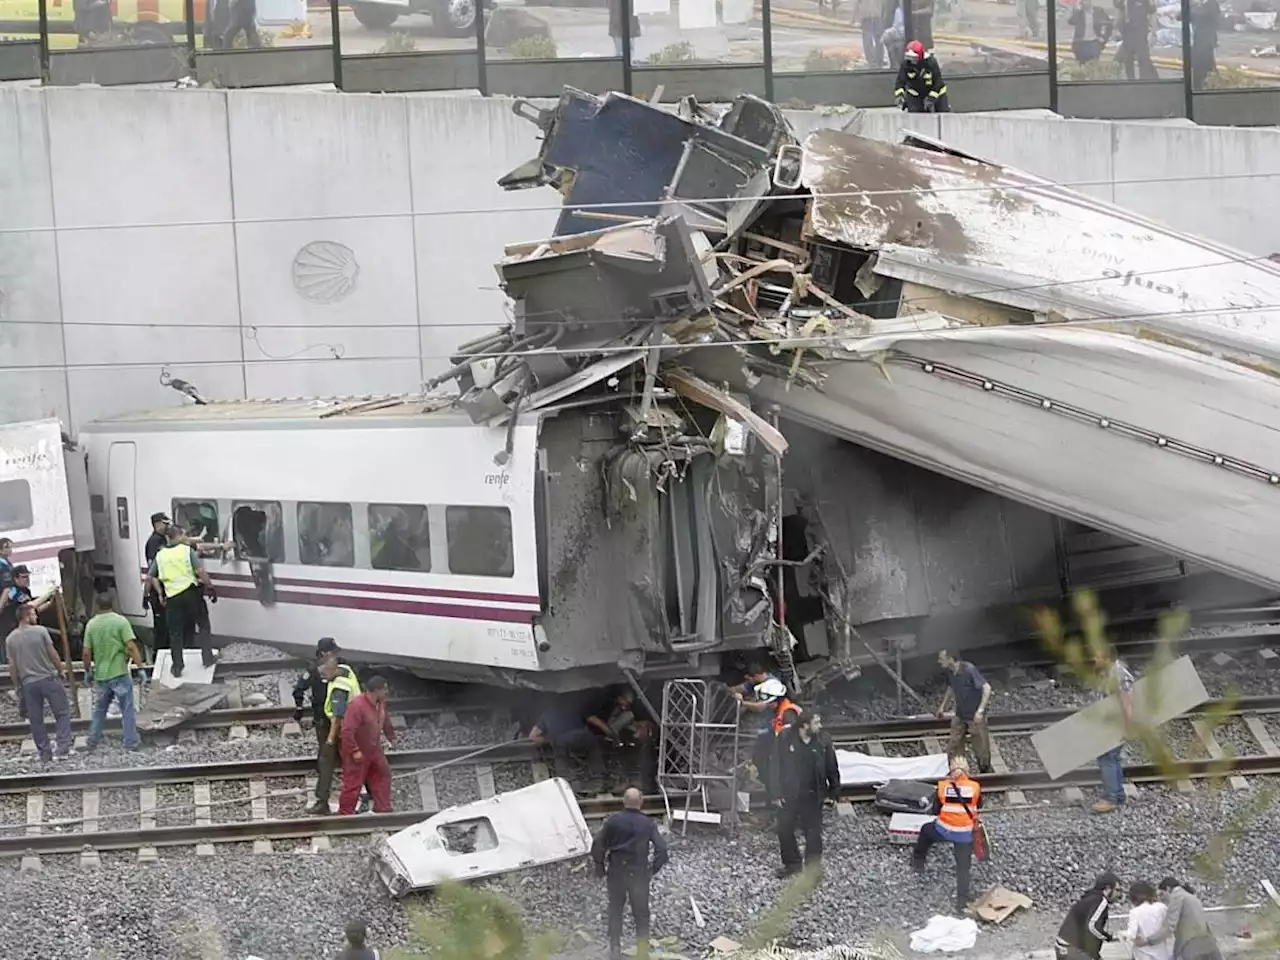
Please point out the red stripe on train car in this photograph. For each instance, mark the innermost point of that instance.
(398, 589)
(448, 611)
(39, 553)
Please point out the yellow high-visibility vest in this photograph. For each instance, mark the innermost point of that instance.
(174, 568)
(343, 681)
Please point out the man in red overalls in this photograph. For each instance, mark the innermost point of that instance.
(363, 762)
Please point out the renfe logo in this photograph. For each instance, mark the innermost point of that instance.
(1131, 278)
(496, 479)
(36, 457)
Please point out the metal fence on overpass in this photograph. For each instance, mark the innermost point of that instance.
(1103, 59)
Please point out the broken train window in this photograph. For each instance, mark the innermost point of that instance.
(325, 538)
(468, 836)
(258, 529)
(480, 541)
(399, 537)
(199, 518)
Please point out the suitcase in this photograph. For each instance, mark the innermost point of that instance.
(906, 796)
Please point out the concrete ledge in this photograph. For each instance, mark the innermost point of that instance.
(1254, 107)
(265, 67)
(1122, 100)
(20, 60)
(869, 88)
(716, 82)
(410, 72)
(113, 66)
(548, 78)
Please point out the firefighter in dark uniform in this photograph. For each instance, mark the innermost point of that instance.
(920, 87)
(621, 853)
(158, 540)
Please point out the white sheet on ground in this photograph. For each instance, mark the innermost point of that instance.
(856, 768)
(945, 935)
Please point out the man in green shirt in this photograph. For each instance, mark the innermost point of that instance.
(109, 647)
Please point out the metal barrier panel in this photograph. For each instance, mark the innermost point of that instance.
(698, 750)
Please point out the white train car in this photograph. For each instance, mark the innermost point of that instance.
(413, 536)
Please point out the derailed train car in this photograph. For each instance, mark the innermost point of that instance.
(666, 422)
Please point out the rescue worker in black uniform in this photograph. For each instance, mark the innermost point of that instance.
(158, 540)
(623, 845)
(920, 87)
(313, 682)
(1084, 930)
(806, 773)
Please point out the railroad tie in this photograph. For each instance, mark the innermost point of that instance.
(1216, 752)
(933, 746)
(1258, 730)
(91, 804)
(1073, 796)
(286, 691)
(89, 858)
(875, 748)
(398, 721)
(35, 813)
(258, 800)
(484, 779)
(998, 764)
(238, 732)
(186, 736)
(262, 846)
(235, 696)
(147, 808)
(204, 800)
(540, 771)
(427, 790)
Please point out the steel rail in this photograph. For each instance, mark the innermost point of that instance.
(226, 668)
(295, 828)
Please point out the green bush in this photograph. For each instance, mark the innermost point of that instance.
(468, 923)
(681, 52)
(533, 48)
(1104, 69)
(1228, 78)
(399, 42)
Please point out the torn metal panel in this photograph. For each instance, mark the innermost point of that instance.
(699, 391)
(1084, 736)
(577, 382)
(942, 219)
(524, 828)
(624, 153)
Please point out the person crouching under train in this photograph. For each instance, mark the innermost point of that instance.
(764, 695)
(363, 762)
(806, 773)
(956, 811)
(920, 87)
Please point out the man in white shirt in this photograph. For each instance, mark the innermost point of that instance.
(1146, 917)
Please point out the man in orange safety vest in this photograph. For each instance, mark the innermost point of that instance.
(956, 818)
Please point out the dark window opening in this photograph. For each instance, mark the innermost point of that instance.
(480, 541)
(15, 505)
(468, 836)
(325, 537)
(122, 518)
(258, 529)
(198, 518)
(399, 537)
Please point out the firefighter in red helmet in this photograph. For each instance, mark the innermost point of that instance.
(920, 87)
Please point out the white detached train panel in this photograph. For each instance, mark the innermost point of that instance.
(427, 554)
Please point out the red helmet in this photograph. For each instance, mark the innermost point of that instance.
(915, 50)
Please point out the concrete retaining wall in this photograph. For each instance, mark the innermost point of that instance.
(286, 243)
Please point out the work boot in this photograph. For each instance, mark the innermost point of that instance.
(917, 865)
(317, 809)
(1104, 806)
(789, 870)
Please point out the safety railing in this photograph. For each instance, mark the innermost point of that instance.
(1104, 59)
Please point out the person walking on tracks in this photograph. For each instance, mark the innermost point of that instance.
(181, 572)
(971, 693)
(806, 774)
(621, 855)
(109, 648)
(341, 687)
(363, 762)
(36, 666)
(1114, 677)
(956, 810)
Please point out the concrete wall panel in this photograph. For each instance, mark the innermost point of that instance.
(158, 275)
(165, 151)
(304, 154)
(28, 263)
(327, 272)
(110, 344)
(33, 395)
(334, 378)
(103, 391)
(1062, 150)
(30, 345)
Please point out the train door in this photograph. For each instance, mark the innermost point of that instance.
(127, 534)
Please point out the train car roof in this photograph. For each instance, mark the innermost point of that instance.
(437, 408)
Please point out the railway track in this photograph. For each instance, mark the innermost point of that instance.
(264, 797)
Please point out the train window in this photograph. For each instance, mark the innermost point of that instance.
(480, 541)
(258, 529)
(15, 505)
(199, 518)
(399, 538)
(324, 535)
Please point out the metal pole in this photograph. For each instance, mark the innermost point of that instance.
(1188, 87)
(44, 40)
(482, 64)
(627, 7)
(335, 47)
(766, 31)
(1051, 33)
(189, 13)
(66, 648)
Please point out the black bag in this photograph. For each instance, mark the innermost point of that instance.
(906, 796)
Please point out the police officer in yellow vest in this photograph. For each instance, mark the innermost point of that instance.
(341, 687)
(181, 572)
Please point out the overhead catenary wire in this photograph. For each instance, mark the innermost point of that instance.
(628, 204)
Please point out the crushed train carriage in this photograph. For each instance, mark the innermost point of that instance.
(664, 421)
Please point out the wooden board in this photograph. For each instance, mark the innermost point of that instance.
(1088, 733)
